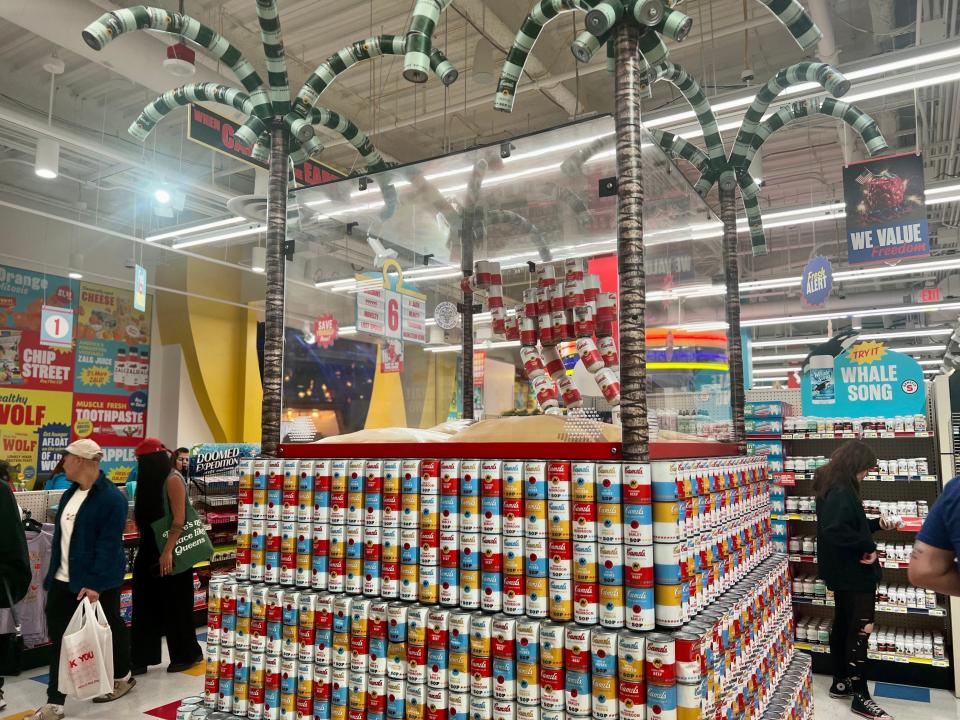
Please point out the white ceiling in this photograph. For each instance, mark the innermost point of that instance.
(104, 171)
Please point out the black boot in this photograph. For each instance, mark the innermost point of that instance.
(842, 689)
(864, 706)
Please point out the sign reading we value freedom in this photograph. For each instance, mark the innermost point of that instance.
(94, 386)
(867, 380)
(886, 214)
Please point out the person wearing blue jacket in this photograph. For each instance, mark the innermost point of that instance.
(87, 560)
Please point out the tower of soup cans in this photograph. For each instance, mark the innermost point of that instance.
(564, 308)
(505, 589)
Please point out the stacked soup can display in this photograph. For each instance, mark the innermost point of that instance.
(509, 589)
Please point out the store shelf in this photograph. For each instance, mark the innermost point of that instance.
(812, 517)
(870, 478)
(912, 659)
(880, 607)
(887, 435)
(812, 647)
(888, 564)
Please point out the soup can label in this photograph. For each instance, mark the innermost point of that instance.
(585, 562)
(609, 523)
(504, 710)
(504, 678)
(586, 603)
(638, 524)
(633, 698)
(528, 683)
(669, 605)
(689, 698)
(609, 481)
(639, 566)
(512, 474)
(661, 659)
(536, 516)
(560, 606)
(611, 606)
(584, 521)
(669, 519)
(537, 596)
(662, 702)
(535, 485)
(583, 481)
(610, 564)
(577, 693)
(552, 690)
(688, 651)
(605, 701)
(637, 486)
(552, 637)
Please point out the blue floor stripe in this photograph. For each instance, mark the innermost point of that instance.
(902, 692)
(43, 679)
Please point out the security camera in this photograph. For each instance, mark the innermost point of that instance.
(505, 149)
(747, 76)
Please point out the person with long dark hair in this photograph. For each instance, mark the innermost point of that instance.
(162, 601)
(847, 558)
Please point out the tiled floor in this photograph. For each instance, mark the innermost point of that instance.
(28, 691)
(942, 706)
(158, 688)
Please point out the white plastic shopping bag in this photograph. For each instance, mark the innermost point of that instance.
(83, 670)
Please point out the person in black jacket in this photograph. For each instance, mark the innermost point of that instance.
(14, 562)
(847, 558)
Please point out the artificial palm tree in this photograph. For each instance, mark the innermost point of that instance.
(632, 31)
(279, 131)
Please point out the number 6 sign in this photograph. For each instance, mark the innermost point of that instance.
(56, 326)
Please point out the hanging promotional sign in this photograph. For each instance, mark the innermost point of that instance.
(391, 356)
(867, 380)
(216, 131)
(32, 425)
(816, 281)
(140, 288)
(393, 310)
(325, 330)
(885, 210)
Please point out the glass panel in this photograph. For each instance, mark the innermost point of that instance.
(540, 199)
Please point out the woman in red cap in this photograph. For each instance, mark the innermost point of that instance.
(162, 601)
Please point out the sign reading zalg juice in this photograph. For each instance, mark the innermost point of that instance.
(867, 380)
(886, 214)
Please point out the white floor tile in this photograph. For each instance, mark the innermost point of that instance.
(942, 706)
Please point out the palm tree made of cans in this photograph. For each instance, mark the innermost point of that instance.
(280, 131)
(632, 32)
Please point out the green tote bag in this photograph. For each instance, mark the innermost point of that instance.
(193, 545)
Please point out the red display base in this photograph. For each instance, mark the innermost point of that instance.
(511, 450)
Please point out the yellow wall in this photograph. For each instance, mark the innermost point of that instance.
(219, 349)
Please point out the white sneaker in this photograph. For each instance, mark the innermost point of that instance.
(48, 712)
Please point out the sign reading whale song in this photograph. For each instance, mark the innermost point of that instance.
(885, 210)
(869, 381)
(817, 281)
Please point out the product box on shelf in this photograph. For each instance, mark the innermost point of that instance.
(766, 409)
(763, 426)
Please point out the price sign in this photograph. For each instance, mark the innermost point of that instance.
(787, 479)
(56, 326)
(394, 310)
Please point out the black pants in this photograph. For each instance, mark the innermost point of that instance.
(61, 604)
(848, 640)
(162, 606)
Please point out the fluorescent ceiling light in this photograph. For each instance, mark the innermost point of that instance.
(774, 371)
(886, 91)
(73, 275)
(930, 362)
(554, 148)
(783, 357)
(222, 236)
(932, 371)
(942, 189)
(788, 341)
(920, 349)
(940, 200)
(477, 346)
(867, 72)
(905, 333)
(195, 229)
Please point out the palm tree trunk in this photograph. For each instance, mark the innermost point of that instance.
(731, 270)
(273, 314)
(633, 354)
(466, 265)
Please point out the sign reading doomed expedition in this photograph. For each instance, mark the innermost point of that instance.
(886, 214)
(216, 131)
